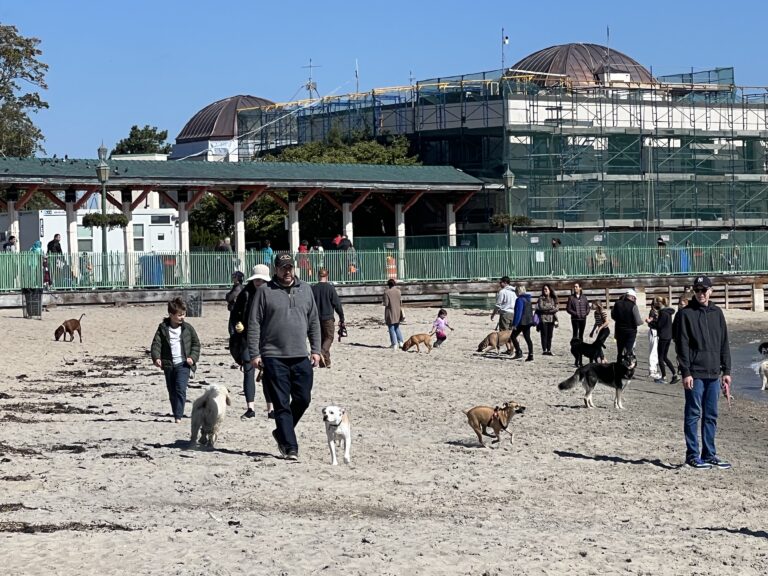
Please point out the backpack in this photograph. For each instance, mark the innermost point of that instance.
(238, 343)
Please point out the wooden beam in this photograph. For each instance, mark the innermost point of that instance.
(196, 197)
(331, 200)
(111, 199)
(307, 197)
(80, 203)
(55, 199)
(255, 195)
(359, 200)
(222, 199)
(463, 200)
(26, 197)
(140, 198)
(164, 195)
(386, 203)
(412, 201)
(277, 199)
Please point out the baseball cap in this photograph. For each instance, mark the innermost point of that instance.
(631, 292)
(702, 282)
(283, 261)
(259, 272)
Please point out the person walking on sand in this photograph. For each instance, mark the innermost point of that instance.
(577, 308)
(626, 319)
(176, 349)
(704, 356)
(393, 313)
(440, 327)
(521, 323)
(653, 339)
(664, 327)
(546, 308)
(505, 304)
(327, 301)
(601, 325)
(283, 317)
(238, 319)
(267, 254)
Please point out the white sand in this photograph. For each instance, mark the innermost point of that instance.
(578, 492)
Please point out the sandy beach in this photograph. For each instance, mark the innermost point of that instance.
(96, 479)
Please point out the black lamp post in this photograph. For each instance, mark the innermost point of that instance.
(508, 179)
(102, 173)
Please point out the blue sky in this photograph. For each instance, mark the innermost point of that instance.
(114, 64)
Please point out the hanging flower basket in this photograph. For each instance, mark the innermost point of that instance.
(110, 221)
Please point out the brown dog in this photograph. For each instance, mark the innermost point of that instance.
(480, 417)
(69, 327)
(495, 340)
(417, 339)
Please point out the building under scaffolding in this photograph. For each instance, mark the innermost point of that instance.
(594, 141)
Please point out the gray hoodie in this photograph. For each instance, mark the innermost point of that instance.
(505, 300)
(281, 320)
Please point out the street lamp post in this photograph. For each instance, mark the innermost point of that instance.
(508, 179)
(102, 173)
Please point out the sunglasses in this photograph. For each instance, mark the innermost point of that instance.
(700, 290)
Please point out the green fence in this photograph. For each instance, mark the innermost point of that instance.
(88, 271)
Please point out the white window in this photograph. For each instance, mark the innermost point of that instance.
(84, 239)
(138, 237)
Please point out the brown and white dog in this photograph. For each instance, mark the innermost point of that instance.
(480, 417)
(495, 340)
(417, 339)
(337, 429)
(208, 413)
(69, 327)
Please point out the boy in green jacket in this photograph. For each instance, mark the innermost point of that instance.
(176, 349)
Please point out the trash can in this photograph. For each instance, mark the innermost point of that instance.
(151, 266)
(32, 302)
(194, 299)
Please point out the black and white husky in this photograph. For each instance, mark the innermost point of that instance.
(616, 375)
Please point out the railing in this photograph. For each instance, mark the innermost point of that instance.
(88, 270)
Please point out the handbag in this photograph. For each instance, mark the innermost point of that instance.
(536, 318)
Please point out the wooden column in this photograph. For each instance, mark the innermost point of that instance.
(400, 228)
(126, 198)
(183, 198)
(70, 197)
(293, 222)
(346, 218)
(11, 197)
(450, 220)
(237, 208)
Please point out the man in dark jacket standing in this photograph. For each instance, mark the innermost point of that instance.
(577, 308)
(626, 317)
(704, 356)
(327, 301)
(283, 316)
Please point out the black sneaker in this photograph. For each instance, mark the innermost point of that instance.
(292, 455)
(699, 463)
(283, 450)
(717, 463)
(517, 356)
(248, 414)
(271, 415)
(675, 379)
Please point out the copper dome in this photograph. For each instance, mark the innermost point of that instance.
(218, 121)
(582, 64)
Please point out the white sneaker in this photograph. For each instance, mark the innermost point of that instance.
(400, 344)
(394, 346)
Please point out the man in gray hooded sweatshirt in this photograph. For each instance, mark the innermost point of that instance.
(283, 316)
(505, 304)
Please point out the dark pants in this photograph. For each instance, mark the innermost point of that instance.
(546, 329)
(326, 339)
(290, 388)
(578, 325)
(663, 349)
(176, 380)
(526, 332)
(440, 339)
(625, 344)
(701, 405)
(249, 379)
(604, 338)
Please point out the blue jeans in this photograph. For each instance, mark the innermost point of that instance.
(290, 388)
(176, 380)
(395, 336)
(701, 404)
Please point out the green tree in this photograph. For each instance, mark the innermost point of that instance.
(147, 140)
(20, 69)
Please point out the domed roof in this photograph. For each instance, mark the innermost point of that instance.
(582, 63)
(218, 121)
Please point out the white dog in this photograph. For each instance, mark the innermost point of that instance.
(764, 373)
(337, 428)
(208, 414)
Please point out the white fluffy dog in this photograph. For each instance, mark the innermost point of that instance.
(337, 428)
(208, 414)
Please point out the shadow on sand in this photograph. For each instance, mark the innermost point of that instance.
(185, 445)
(743, 530)
(617, 459)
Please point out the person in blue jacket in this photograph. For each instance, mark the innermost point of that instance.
(522, 322)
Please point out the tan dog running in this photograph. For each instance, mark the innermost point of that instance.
(417, 339)
(69, 327)
(495, 340)
(480, 417)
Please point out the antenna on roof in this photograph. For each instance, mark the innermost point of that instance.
(607, 46)
(311, 86)
(357, 78)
